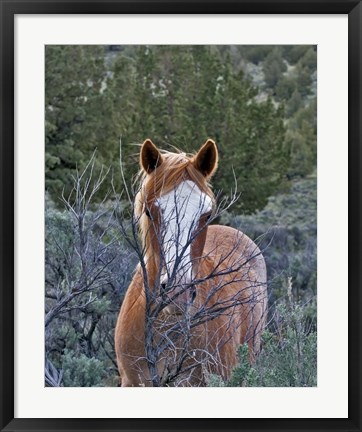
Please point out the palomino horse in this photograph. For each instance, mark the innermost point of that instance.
(199, 291)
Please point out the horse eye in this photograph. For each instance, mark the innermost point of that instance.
(147, 213)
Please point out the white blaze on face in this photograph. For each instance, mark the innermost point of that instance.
(180, 211)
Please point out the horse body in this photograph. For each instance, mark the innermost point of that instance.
(229, 309)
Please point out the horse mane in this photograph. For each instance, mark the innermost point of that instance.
(174, 169)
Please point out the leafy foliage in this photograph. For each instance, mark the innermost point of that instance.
(288, 357)
(290, 74)
(82, 371)
(274, 67)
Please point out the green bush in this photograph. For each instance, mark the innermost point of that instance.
(288, 357)
(309, 60)
(273, 67)
(293, 53)
(82, 371)
(88, 268)
(285, 88)
(255, 53)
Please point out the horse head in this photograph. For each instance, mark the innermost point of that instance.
(175, 205)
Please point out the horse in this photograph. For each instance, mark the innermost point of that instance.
(199, 291)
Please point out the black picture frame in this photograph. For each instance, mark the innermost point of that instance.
(8, 10)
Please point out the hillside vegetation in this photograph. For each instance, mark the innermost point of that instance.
(178, 96)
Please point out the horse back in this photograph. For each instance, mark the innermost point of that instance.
(234, 249)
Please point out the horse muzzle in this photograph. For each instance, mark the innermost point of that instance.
(180, 303)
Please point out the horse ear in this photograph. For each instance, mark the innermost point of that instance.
(150, 156)
(207, 158)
